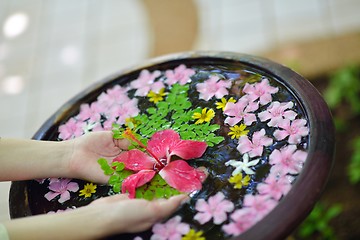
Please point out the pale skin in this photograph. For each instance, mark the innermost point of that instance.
(77, 158)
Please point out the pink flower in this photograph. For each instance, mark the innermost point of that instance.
(276, 112)
(261, 90)
(125, 110)
(90, 111)
(71, 129)
(242, 220)
(241, 110)
(146, 82)
(256, 146)
(173, 229)
(287, 160)
(215, 208)
(180, 75)
(61, 187)
(274, 186)
(213, 87)
(162, 148)
(260, 205)
(295, 130)
(113, 96)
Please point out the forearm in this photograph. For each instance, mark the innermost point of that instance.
(78, 224)
(31, 159)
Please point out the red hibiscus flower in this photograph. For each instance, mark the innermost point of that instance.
(166, 155)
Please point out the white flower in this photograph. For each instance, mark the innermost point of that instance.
(243, 165)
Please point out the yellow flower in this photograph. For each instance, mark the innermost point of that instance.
(221, 105)
(131, 123)
(238, 131)
(239, 181)
(89, 189)
(204, 116)
(193, 235)
(156, 97)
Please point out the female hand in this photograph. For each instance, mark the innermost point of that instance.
(125, 215)
(104, 217)
(87, 149)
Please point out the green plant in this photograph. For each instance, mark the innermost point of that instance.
(354, 166)
(318, 222)
(343, 91)
(344, 87)
(176, 113)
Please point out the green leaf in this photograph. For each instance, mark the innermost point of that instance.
(159, 193)
(120, 167)
(149, 195)
(117, 187)
(114, 179)
(151, 110)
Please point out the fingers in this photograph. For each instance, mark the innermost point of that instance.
(163, 208)
(112, 199)
(122, 143)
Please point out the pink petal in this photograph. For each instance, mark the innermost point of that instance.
(188, 149)
(136, 180)
(232, 120)
(216, 199)
(257, 151)
(181, 176)
(64, 197)
(51, 195)
(56, 186)
(157, 86)
(219, 217)
(202, 206)
(245, 145)
(135, 160)
(162, 141)
(280, 134)
(249, 119)
(168, 142)
(72, 187)
(203, 217)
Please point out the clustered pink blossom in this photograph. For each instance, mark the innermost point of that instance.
(91, 112)
(71, 129)
(241, 220)
(256, 146)
(114, 105)
(112, 97)
(146, 83)
(274, 186)
(255, 207)
(213, 87)
(295, 130)
(277, 112)
(173, 229)
(62, 187)
(217, 208)
(242, 110)
(119, 113)
(261, 91)
(180, 75)
(287, 160)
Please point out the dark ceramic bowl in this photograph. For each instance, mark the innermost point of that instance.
(294, 207)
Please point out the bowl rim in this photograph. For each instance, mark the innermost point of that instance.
(299, 201)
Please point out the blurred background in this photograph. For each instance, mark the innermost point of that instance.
(51, 50)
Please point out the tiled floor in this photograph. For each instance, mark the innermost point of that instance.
(67, 45)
